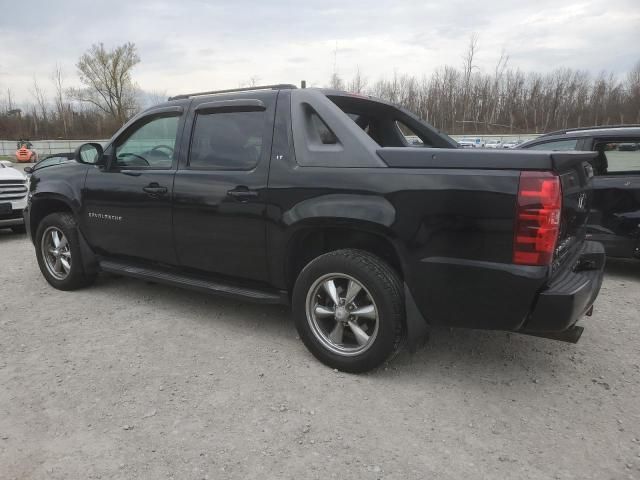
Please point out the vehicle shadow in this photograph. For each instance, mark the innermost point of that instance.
(462, 353)
(623, 267)
(8, 234)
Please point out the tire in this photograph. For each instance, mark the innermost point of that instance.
(55, 272)
(361, 343)
(19, 229)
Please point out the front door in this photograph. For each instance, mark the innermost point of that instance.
(219, 191)
(127, 203)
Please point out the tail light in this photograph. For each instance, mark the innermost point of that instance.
(537, 218)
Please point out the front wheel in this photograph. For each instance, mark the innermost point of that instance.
(58, 252)
(348, 309)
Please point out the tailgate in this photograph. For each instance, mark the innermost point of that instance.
(575, 173)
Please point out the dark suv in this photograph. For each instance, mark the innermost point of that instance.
(615, 212)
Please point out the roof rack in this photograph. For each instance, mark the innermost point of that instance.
(597, 127)
(280, 86)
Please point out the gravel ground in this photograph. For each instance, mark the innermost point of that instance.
(132, 380)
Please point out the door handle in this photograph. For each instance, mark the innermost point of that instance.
(242, 193)
(154, 189)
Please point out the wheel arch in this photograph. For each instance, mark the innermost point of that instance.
(312, 239)
(46, 204)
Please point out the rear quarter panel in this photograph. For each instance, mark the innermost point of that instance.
(452, 230)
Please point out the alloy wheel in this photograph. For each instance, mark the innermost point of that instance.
(342, 314)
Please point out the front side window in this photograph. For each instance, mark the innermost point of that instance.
(619, 156)
(557, 145)
(227, 141)
(151, 145)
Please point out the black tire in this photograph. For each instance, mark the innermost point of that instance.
(76, 277)
(19, 229)
(380, 283)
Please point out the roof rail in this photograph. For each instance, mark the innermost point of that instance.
(597, 127)
(280, 86)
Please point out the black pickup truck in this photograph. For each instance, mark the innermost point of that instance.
(316, 198)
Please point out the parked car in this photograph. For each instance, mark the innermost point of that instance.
(512, 143)
(49, 160)
(13, 197)
(615, 210)
(495, 143)
(471, 142)
(628, 147)
(315, 198)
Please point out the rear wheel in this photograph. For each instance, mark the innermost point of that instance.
(58, 252)
(348, 309)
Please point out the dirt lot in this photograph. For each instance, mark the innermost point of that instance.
(132, 380)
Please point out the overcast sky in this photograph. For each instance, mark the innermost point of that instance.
(191, 45)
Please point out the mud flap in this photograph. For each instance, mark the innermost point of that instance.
(417, 327)
(89, 260)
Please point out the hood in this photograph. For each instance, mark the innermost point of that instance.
(10, 173)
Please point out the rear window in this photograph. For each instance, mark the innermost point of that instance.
(614, 157)
(227, 141)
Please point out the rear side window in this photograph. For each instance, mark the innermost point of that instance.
(227, 141)
(557, 145)
(320, 130)
(621, 156)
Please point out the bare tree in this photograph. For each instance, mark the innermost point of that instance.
(9, 100)
(468, 68)
(358, 84)
(57, 78)
(106, 75)
(39, 110)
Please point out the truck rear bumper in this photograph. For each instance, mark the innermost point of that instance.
(570, 295)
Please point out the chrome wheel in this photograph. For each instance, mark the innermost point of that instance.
(56, 253)
(342, 314)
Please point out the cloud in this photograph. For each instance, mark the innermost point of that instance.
(202, 45)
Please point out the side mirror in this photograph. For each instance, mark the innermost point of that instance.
(89, 153)
(28, 170)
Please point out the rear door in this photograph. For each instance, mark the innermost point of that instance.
(615, 216)
(220, 189)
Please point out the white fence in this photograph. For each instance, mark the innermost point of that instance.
(45, 147)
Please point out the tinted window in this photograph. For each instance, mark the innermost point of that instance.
(621, 156)
(227, 141)
(557, 145)
(150, 145)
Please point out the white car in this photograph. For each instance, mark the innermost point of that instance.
(493, 144)
(512, 143)
(469, 142)
(13, 197)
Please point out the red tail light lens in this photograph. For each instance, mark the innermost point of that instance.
(537, 218)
